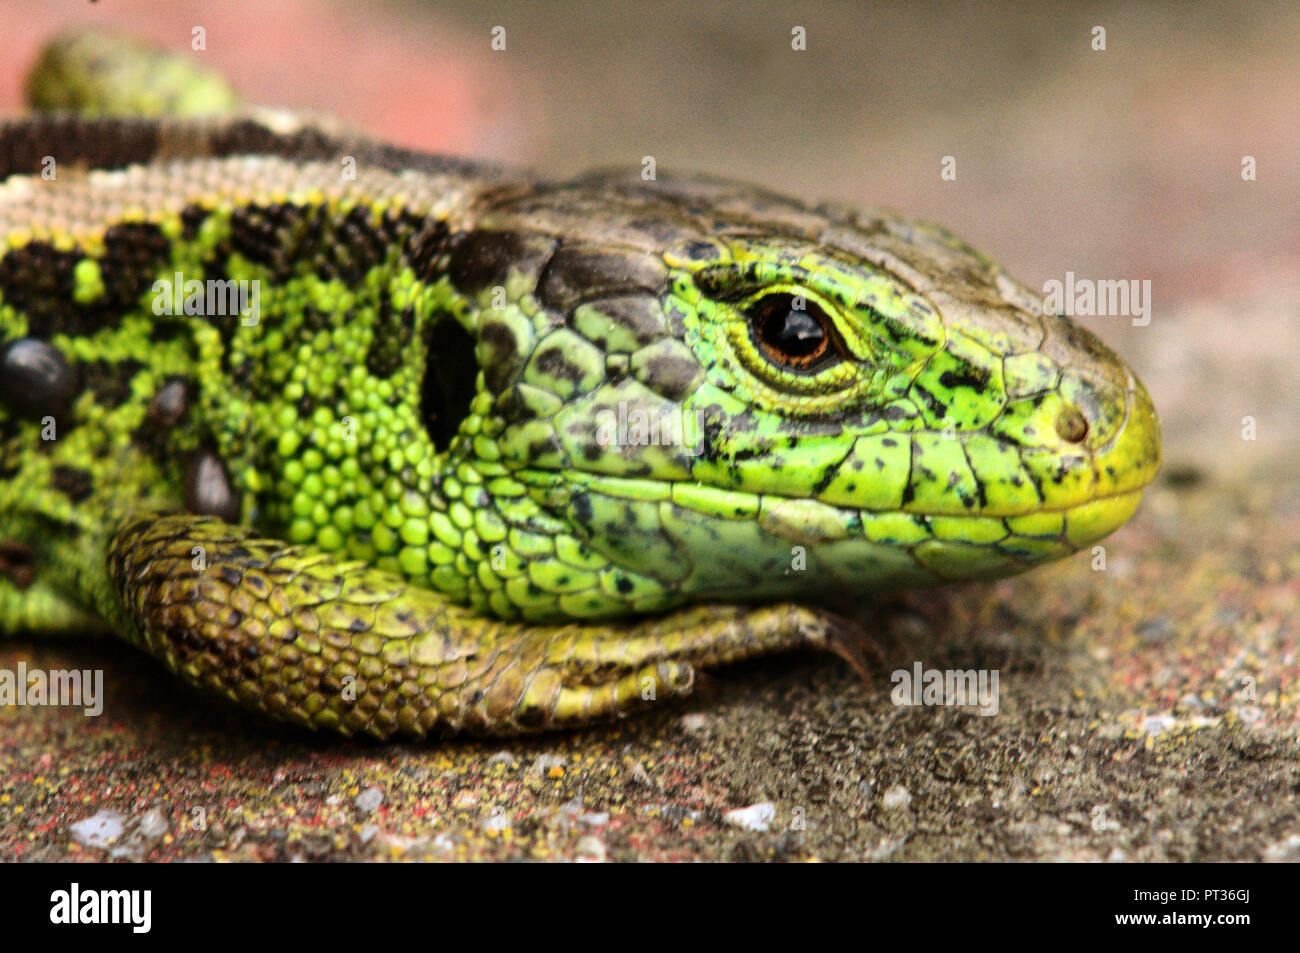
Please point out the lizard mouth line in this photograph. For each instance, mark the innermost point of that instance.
(634, 488)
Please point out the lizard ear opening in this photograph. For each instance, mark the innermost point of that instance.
(449, 381)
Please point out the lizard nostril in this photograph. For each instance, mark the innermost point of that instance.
(1071, 425)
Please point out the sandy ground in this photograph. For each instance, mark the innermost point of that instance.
(1148, 711)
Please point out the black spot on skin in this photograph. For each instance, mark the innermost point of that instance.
(888, 442)
(109, 381)
(512, 407)
(553, 362)
(134, 254)
(183, 641)
(623, 584)
(227, 325)
(483, 259)
(671, 375)
(578, 273)
(699, 251)
(73, 482)
(825, 481)
(37, 280)
(17, 563)
(9, 431)
(315, 320)
(976, 378)
(426, 244)
(289, 239)
(192, 217)
(500, 354)
(582, 508)
(938, 408)
(449, 380)
(358, 245)
(642, 315)
(208, 490)
(541, 447)
(893, 413)
(909, 493)
(391, 341)
(36, 380)
(260, 232)
(164, 330)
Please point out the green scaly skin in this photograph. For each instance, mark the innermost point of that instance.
(500, 454)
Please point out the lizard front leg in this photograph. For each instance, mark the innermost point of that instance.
(342, 646)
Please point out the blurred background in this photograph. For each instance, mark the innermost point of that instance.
(1123, 687)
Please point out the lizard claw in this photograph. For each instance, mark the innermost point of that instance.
(850, 641)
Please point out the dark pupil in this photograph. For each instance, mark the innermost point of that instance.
(790, 336)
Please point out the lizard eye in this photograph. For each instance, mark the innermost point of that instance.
(793, 333)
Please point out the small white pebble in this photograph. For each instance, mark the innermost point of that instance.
(896, 798)
(368, 800)
(1286, 851)
(153, 824)
(1249, 714)
(99, 830)
(1158, 724)
(590, 850)
(695, 724)
(756, 817)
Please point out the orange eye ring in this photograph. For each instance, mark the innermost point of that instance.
(793, 333)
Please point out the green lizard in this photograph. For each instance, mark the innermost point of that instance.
(388, 443)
